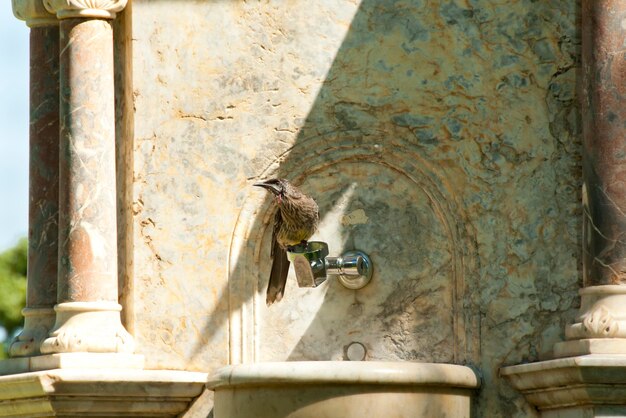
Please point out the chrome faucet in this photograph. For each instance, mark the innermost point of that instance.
(312, 265)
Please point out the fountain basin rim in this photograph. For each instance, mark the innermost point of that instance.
(412, 374)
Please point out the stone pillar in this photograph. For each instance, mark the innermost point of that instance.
(601, 326)
(87, 309)
(43, 208)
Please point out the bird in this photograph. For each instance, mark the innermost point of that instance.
(295, 221)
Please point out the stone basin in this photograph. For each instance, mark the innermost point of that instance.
(350, 389)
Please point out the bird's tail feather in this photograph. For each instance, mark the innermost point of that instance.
(278, 276)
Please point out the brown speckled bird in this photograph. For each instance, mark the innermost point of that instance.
(296, 219)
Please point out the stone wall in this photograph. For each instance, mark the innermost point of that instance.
(441, 138)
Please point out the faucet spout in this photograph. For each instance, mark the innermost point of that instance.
(308, 262)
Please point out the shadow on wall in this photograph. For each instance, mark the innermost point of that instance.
(365, 153)
(437, 127)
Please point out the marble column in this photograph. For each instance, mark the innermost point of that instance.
(87, 309)
(601, 326)
(603, 101)
(43, 209)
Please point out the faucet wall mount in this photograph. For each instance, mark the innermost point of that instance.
(312, 265)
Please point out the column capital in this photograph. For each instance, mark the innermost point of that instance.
(33, 12)
(96, 9)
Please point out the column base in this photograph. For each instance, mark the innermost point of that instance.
(37, 324)
(603, 313)
(574, 387)
(601, 326)
(93, 327)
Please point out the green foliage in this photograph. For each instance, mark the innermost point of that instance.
(12, 287)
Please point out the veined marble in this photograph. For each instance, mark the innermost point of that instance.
(441, 138)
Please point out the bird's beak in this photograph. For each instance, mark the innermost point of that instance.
(271, 187)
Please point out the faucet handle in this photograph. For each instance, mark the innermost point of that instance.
(350, 264)
(353, 267)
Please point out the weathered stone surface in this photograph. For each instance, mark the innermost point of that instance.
(452, 126)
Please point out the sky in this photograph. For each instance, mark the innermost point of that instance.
(13, 127)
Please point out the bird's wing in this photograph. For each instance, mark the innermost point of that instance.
(280, 266)
(278, 221)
